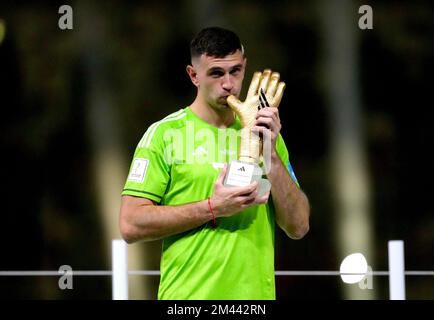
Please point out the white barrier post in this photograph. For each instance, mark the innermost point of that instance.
(396, 270)
(120, 270)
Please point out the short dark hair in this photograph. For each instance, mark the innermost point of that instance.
(215, 42)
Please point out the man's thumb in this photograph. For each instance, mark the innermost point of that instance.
(222, 174)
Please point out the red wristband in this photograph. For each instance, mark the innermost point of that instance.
(214, 224)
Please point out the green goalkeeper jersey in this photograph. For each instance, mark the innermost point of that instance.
(177, 162)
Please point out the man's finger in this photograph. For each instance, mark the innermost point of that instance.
(268, 113)
(263, 199)
(249, 198)
(264, 122)
(241, 191)
(254, 85)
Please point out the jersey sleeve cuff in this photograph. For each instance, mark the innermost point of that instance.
(142, 194)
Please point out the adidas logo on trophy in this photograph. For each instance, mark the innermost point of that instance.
(265, 91)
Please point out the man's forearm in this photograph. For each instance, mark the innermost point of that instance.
(291, 204)
(152, 222)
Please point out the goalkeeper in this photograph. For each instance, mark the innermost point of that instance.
(218, 242)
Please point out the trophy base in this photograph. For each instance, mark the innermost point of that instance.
(242, 174)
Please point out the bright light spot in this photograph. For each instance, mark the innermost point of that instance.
(354, 263)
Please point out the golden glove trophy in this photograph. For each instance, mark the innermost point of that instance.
(265, 91)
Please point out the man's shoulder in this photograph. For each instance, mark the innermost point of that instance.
(177, 117)
(174, 120)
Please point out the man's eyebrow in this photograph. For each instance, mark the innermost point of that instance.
(215, 69)
(237, 66)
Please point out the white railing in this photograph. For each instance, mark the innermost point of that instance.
(120, 272)
(396, 271)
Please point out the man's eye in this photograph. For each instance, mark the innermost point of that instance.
(216, 74)
(235, 71)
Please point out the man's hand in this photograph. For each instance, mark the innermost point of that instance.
(227, 201)
(267, 125)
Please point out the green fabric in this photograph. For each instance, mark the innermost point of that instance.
(236, 260)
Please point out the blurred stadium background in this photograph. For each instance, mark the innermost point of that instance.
(356, 118)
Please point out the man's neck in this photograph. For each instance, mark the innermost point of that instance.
(218, 118)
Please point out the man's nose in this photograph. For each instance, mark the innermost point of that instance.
(227, 83)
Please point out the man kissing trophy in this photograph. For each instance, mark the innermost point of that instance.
(265, 91)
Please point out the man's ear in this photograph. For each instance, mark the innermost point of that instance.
(192, 74)
(245, 66)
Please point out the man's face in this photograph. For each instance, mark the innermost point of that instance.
(218, 78)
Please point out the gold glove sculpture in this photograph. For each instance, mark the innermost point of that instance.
(265, 91)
